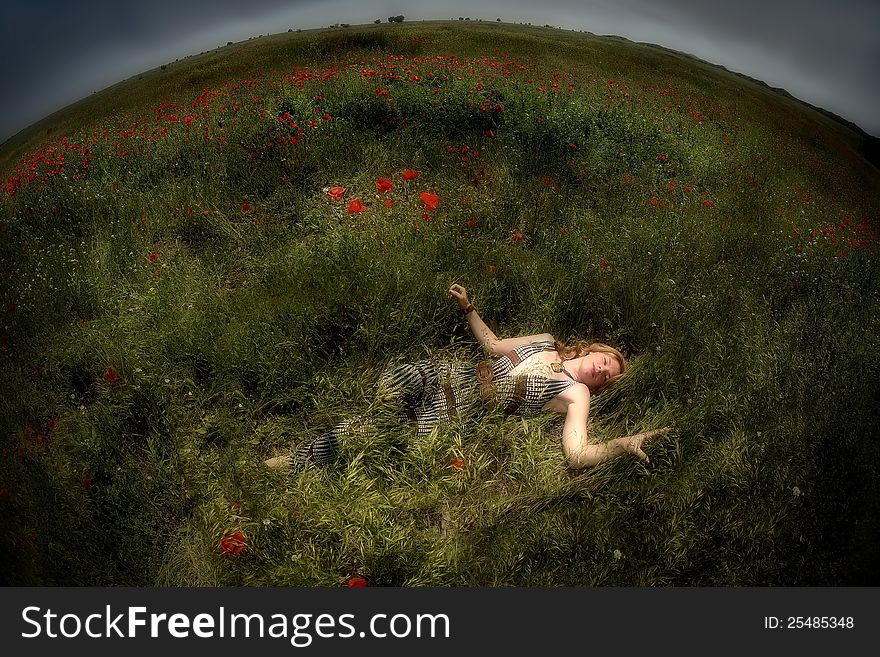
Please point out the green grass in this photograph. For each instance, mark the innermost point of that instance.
(665, 206)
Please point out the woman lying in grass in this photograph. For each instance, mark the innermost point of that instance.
(527, 376)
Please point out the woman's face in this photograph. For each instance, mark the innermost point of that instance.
(598, 368)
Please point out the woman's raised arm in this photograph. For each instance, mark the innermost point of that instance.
(484, 335)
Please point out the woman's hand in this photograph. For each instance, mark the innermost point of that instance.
(633, 444)
(458, 293)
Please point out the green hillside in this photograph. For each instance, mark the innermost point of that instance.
(185, 294)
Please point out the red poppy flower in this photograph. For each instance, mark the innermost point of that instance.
(157, 274)
(410, 174)
(21, 452)
(188, 120)
(709, 203)
(794, 284)
(39, 440)
(336, 193)
(490, 134)
(87, 481)
(384, 185)
(233, 543)
(153, 256)
(547, 181)
(111, 377)
(28, 432)
(603, 265)
(517, 236)
(430, 200)
(245, 207)
(662, 158)
(356, 206)
(457, 463)
(388, 202)
(471, 223)
(10, 307)
(356, 582)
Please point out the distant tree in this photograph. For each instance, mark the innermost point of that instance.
(468, 18)
(395, 19)
(229, 43)
(460, 18)
(290, 30)
(377, 21)
(498, 20)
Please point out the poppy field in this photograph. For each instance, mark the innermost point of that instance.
(211, 264)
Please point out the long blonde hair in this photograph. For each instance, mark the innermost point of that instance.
(582, 347)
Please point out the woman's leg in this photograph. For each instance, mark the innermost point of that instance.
(405, 392)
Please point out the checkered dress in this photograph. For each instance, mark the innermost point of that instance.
(429, 393)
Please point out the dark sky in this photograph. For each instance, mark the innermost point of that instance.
(826, 52)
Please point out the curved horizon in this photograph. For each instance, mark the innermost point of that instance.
(113, 46)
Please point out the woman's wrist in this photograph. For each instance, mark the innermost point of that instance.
(467, 309)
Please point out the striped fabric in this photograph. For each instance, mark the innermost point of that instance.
(429, 393)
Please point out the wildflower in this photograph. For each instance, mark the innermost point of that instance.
(430, 200)
(245, 207)
(356, 206)
(410, 174)
(28, 432)
(88, 481)
(709, 203)
(796, 491)
(490, 134)
(21, 452)
(517, 236)
(110, 376)
(470, 223)
(39, 440)
(617, 554)
(336, 193)
(603, 265)
(10, 307)
(457, 463)
(388, 202)
(188, 120)
(153, 256)
(356, 582)
(662, 158)
(384, 185)
(233, 543)
(794, 284)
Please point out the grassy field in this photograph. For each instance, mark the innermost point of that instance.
(183, 296)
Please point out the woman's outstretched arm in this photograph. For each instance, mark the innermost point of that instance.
(484, 335)
(579, 452)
